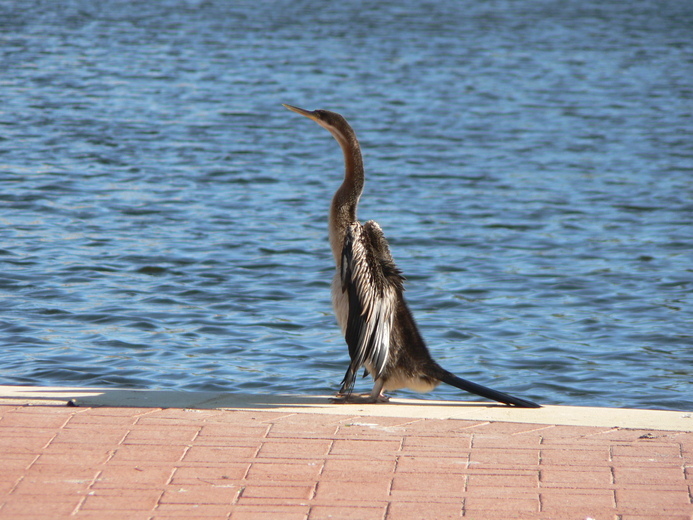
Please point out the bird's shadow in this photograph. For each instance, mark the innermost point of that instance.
(115, 397)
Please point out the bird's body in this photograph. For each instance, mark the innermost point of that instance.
(368, 293)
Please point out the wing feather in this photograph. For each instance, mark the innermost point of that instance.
(372, 282)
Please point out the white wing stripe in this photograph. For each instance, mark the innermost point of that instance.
(361, 271)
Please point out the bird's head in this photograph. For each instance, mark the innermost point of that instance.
(331, 121)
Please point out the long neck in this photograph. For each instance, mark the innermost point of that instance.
(346, 198)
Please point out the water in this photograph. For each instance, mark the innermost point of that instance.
(163, 218)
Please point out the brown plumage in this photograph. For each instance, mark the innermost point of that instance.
(367, 293)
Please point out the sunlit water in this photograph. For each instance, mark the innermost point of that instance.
(163, 218)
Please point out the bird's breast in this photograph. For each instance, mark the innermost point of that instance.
(340, 302)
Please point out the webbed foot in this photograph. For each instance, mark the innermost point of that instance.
(359, 399)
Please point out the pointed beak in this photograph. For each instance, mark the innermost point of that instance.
(307, 113)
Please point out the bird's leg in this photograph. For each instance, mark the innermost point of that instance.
(376, 396)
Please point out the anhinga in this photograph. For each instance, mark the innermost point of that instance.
(367, 293)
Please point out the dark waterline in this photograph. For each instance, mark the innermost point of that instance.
(163, 218)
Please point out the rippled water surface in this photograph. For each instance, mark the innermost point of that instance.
(163, 218)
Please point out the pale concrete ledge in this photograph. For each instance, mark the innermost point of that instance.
(420, 409)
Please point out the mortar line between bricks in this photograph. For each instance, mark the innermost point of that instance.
(186, 449)
(271, 421)
(125, 436)
(268, 429)
(48, 443)
(69, 418)
(74, 414)
(254, 459)
(397, 461)
(413, 421)
(540, 428)
(392, 478)
(257, 452)
(540, 455)
(19, 480)
(89, 487)
(111, 454)
(245, 475)
(323, 463)
(78, 506)
(144, 414)
(400, 450)
(322, 467)
(28, 467)
(472, 426)
(169, 480)
(329, 449)
(197, 434)
(158, 501)
(603, 432)
(340, 424)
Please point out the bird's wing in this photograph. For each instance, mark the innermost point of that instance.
(373, 283)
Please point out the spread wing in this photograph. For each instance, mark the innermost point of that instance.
(373, 283)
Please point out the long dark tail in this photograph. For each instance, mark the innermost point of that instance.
(474, 388)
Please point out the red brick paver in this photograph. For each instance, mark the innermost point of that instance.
(150, 463)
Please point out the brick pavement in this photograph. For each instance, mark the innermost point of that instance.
(59, 462)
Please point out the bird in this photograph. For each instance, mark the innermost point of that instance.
(368, 294)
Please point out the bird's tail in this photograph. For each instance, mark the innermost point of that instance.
(489, 393)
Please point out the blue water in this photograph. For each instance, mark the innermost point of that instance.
(163, 218)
